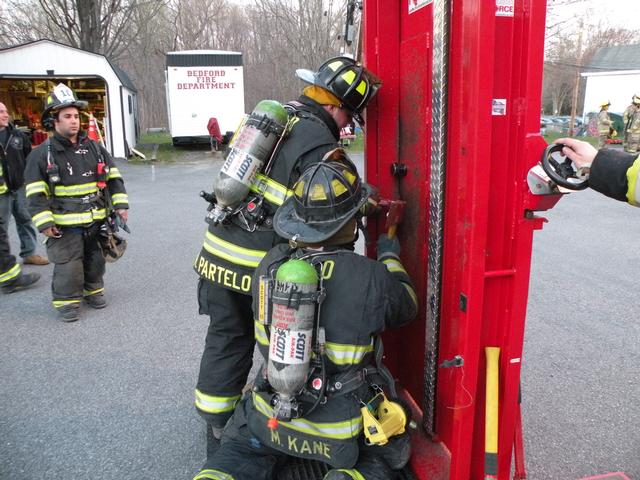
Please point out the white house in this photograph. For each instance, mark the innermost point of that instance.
(614, 77)
(29, 71)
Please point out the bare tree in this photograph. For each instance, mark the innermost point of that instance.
(99, 26)
(275, 36)
(565, 58)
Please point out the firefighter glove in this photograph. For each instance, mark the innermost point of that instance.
(388, 245)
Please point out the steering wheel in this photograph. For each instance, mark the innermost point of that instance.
(563, 174)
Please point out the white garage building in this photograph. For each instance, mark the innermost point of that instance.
(29, 71)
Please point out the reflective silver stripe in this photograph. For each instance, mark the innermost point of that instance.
(633, 180)
(211, 404)
(113, 173)
(37, 187)
(73, 190)
(273, 191)
(394, 265)
(118, 198)
(232, 253)
(345, 354)
(10, 274)
(210, 474)
(42, 218)
(79, 218)
(260, 333)
(336, 430)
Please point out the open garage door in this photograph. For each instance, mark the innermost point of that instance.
(24, 98)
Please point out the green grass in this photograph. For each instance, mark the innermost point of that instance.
(166, 153)
(357, 145)
(550, 137)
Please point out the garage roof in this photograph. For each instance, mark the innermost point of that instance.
(121, 74)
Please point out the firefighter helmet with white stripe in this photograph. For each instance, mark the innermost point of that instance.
(60, 97)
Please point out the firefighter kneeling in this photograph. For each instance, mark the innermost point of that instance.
(319, 310)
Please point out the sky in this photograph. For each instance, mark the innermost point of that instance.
(618, 13)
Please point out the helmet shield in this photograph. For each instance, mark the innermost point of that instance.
(324, 199)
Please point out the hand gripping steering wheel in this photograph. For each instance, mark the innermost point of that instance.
(563, 174)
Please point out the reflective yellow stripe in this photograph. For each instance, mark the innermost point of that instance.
(42, 218)
(113, 173)
(62, 303)
(88, 293)
(362, 88)
(3, 187)
(349, 76)
(37, 187)
(213, 475)
(353, 473)
(394, 265)
(120, 198)
(10, 274)
(345, 354)
(336, 430)
(211, 404)
(81, 218)
(260, 333)
(633, 180)
(75, 190)
(232, 253)
(273, 191)
(412, 292)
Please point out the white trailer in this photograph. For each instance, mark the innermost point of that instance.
(201, 84)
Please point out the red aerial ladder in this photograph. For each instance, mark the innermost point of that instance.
(454, 133)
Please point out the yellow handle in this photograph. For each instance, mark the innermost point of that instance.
(392, 231)
(491, 412)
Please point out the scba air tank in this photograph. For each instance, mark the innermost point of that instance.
(293, 316)
(250, 148)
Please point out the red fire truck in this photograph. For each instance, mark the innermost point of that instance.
(454, 133)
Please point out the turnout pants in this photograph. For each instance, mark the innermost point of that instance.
(228, 352)
(79, 265)
(632, 144)
(9, 269)
(15, 203)
(241, 456)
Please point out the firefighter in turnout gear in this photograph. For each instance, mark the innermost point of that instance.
(355, 298)
(604, 124)
(611, 172)
(631, 121)
(234, 247)
(13, 147)
(72, 185)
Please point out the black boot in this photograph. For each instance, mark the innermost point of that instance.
(22, 281)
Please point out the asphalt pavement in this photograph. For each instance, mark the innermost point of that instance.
(580, 382)
(111, 396)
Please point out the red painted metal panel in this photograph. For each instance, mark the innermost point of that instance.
(488, 230)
